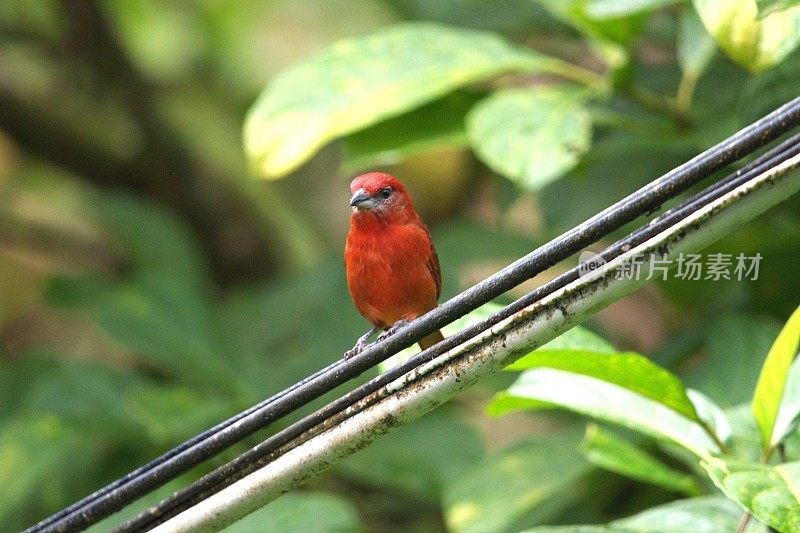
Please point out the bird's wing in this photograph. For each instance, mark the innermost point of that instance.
(436, 272)
(433, 262)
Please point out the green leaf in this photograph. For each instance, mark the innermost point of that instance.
(628, 370)
(771, 494)
(531, 136)
(707, 514)
(593, 397)
(361, 81)
(772, 381)
(753, 42)
(302, 512)
(602, 448)
(421, 459)
(434, 126)
(530, 477)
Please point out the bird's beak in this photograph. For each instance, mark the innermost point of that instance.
(361, 200)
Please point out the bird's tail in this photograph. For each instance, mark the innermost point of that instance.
(430, 340)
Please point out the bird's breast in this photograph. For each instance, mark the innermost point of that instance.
(387, 273)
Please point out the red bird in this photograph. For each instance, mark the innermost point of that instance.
(392, 268)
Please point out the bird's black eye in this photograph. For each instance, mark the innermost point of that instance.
(385, 193)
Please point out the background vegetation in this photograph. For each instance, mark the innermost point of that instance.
(150, 286)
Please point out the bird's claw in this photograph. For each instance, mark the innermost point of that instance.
(355, 350)
(361, 343)
(400, 324)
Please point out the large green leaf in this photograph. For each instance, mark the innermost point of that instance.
(771, 494)
(531, 136)
(753, 42)
(707, 514)
(547, 387)
(604, 449)
(530, 477)
(628, 370)
(772, 381)
(361, 81)
(302, 512)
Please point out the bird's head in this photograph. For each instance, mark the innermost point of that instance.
(380, 194)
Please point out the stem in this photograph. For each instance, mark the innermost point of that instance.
(659, 104)
(587, 77)
(608, 117)
(711, 433)
(573, 72)
(743, 523)
(683, 97)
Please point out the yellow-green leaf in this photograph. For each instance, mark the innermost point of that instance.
(360, 81)
(753, 42)
(772, 380)
(531, 136)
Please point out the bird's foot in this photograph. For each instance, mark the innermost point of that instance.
(400, 324)
(361, 343)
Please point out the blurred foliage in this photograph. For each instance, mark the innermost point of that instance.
(628, 390)
(150, 287)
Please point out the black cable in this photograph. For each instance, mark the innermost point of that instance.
(647, 199)
(179, 449)
(265, 452)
